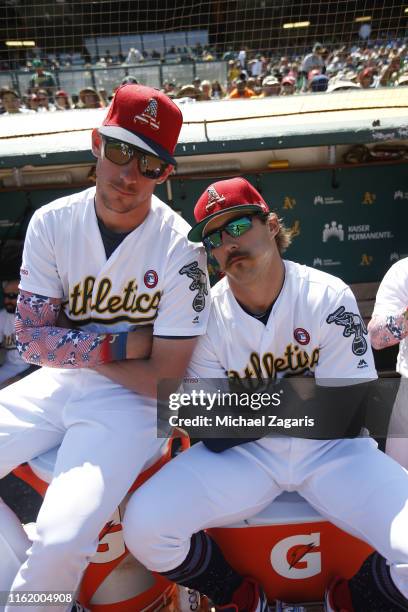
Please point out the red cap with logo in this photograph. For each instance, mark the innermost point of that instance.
(146, 118)
(222, 197)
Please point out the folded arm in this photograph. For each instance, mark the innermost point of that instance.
(42, 342)
(169, 360)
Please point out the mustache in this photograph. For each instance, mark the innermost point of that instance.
(235, 255)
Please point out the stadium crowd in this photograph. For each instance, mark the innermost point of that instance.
(249, 75)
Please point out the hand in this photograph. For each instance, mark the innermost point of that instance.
(139, 342)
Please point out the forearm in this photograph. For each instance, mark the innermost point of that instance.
(168, 361)
(387, 330)
(40, 342)
(137, 375)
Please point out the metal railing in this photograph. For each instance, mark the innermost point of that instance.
(153, 74)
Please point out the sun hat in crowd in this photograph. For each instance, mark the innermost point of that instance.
(269, 81)
(341, 84)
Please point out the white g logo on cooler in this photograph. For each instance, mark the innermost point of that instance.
(294, 557)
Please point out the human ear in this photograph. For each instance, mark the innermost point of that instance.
(165, 175)
(273, 224)
(96, 143)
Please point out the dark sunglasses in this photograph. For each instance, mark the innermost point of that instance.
(11, 296)
(235, 228)
(122, 153)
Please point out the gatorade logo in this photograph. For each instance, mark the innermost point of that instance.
(295, 557)
(111, 543)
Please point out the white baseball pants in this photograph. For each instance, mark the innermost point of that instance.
(107, 436)
(349, 482)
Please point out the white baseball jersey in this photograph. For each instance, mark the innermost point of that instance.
(392, 299)
(154, 276)
(314, 327)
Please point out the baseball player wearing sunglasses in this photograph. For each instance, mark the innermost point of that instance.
(272, 318)
(116, 261)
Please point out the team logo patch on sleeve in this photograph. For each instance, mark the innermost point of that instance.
(151, 279)
(353, 325)
(301, 335)
(199, 284)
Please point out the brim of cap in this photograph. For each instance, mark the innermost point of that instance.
(141, 142)
(196, 232)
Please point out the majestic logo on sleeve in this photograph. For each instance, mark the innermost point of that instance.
(199, 284)
(353, 325)
(213, 199)
(149, 115)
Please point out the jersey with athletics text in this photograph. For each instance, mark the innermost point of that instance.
(314, 329)
(392, 299)
(155, 276)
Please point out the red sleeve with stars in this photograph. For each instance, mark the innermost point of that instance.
(40, 342)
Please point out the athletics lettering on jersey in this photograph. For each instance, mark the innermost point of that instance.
(82, 301)
(199, 284)
(353, 324)
(293, 361)
(40, 342)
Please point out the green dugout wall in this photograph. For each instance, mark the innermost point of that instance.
(351, 222)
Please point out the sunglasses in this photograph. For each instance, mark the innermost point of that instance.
(11, 296)
(235, 228)
(122, 153)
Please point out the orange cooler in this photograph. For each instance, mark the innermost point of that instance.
(291, 550)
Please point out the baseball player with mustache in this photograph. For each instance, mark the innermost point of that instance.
(272, 318)
(117, 262)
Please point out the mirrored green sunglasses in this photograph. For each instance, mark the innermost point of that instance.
(234, 228)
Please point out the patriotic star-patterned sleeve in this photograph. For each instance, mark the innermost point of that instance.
(41, 342)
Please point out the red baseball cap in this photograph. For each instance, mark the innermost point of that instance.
(222, 197)
(146, 118)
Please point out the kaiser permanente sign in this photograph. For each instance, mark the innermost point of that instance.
(363, 232)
